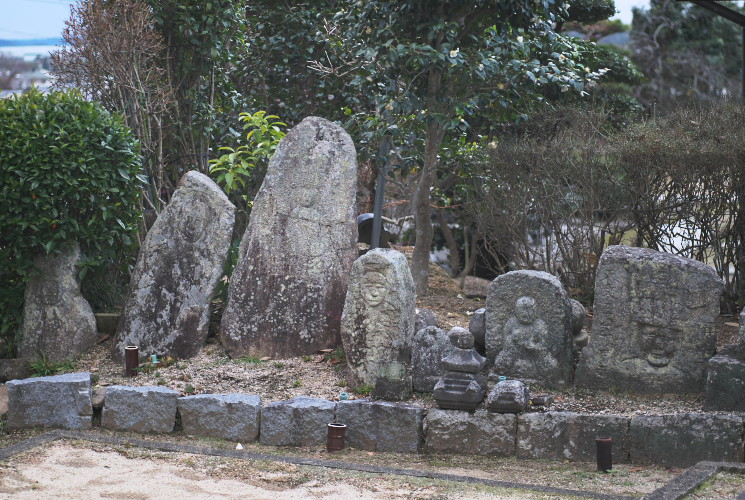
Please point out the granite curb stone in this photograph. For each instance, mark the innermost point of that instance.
(381, 426)
(57, 401)
(226, 416)
(301, 421)
(139, 409)
(682, 440)
(480, 433)
(570, 436)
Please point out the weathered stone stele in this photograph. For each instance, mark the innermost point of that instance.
(378, 321)
(57, 321)
(177, 272)
(430, 345)
(653, 330)
(529, 323)
(287, 291)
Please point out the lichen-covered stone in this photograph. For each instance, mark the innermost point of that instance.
(654, 323)
(478, 433)
(529, 328)
(684, 439)
(58, 322)
(725, 379)
(139, 409)
(430, 345)
(14, 368)
(59, 401)
(508, 396)
(381, 426)
(178, 269)
(579, 334)
(570, 436)
(424, 318)
(393, 382)
(460, 388)
(301, 421)
(378, 320)
(287, 291)
(224, 416)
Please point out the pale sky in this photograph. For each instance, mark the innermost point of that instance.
(22, 19)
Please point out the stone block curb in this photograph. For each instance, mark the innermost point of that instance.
(381, 426)
(570, 436)
(59, 401)
(479, 433)
(301, 421)
(139, 409)
(685, 439)
(224, 416)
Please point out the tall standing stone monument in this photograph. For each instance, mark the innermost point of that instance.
(529, 322)
(654, 325)
(177, 271)
(58, 322)
(287, 291)
(379, 312)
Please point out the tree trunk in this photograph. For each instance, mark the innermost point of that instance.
(422, 211)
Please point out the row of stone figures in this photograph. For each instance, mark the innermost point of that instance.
(299, 287)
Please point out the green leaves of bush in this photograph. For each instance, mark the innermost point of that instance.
(69, 170)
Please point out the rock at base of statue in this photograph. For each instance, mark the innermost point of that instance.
(58, 323)
(287, 290)
(378, 321)
(654, 323)
(178, 270)
(430, 345)
(725, 379)
(393, 383)
(459, 388)
(508, 396)
(529, 321)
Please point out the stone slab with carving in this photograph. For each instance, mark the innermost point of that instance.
(287, 291)
(58, 322)
(654, 323)
(529, 322)
(379, 312)
(177, 272)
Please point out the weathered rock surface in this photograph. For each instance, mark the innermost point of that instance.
(685, 439)
(424, 318)
(14, 368)
(529, 328)
(381, 426)
(287, 291)
(139, 409)
(301, 421)
(393, 382)
(509, 396)
(59, 401)
(478, 433)
(654, 325)
(224, 416)
(430, 345)
(725, 379)
(477, 327)
(58, 322)
(178, 269)
(378, 321)
(571, 436)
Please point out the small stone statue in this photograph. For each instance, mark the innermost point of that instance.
(459, 388)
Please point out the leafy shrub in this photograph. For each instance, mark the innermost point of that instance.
(70, 172)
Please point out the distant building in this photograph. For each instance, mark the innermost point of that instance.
(41, 79)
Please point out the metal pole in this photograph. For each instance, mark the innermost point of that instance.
(385, 149)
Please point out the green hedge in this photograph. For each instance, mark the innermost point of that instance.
(69, 170)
